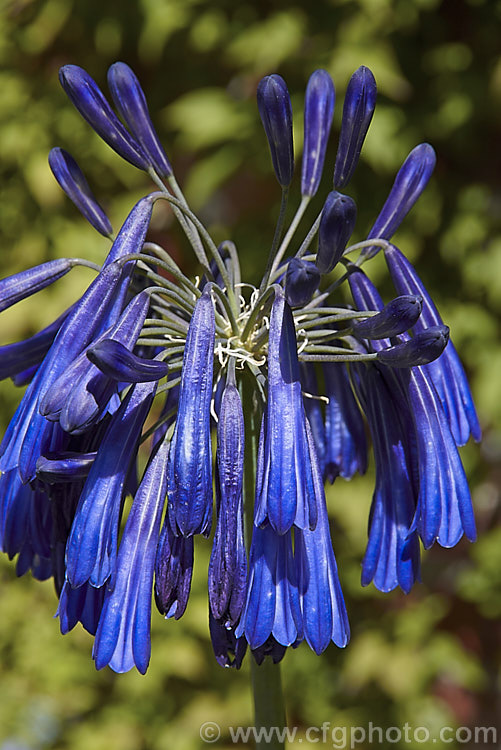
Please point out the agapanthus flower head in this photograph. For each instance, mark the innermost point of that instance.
(266, 389)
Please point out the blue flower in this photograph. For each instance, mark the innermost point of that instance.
(346, 445)
(92, 544)
(123, 633)
(322, 604)
(284, 487)
(392, 555)
(272, 607)
(447, 373)
(190, 457)
(228, 562)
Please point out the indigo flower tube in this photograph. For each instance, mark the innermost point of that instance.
(173, 571)
(272, 607)
(130, 102)
(123, 634)
(72, 180)
(275, 109)
(318, 114)
(89, 100)
(322, 603)
(358, 109)
(190, 457)
(392, 555)
(447, 373)
(92, 544)
(284, 487)
(228, 562)
(345, 441)
(228, 649)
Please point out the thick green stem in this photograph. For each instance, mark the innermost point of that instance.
(269, 707)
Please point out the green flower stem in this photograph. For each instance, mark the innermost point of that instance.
(269, 707)
(336, 357)
(305, 200)
(276, 238)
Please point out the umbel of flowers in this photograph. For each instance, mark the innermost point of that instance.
(284, 373)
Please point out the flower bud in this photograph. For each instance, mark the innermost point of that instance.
(339, 215)
(130, 102)
(275, 109)
(301, 282)
(423, 348)
(318, 113)
(118, 363)
(359, 104)
(64, 467)
(410, 182)
(21, 285)
(398, 316)
(72, 180)
(90, 101)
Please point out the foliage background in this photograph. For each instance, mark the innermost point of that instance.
(431, 658)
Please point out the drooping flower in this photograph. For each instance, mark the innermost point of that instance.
(190, 457)
(284, 488)
(285, 372)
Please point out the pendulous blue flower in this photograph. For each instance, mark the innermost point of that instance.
(276, 385)
(190, 457)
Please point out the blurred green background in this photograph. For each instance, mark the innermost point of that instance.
(430, 658)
